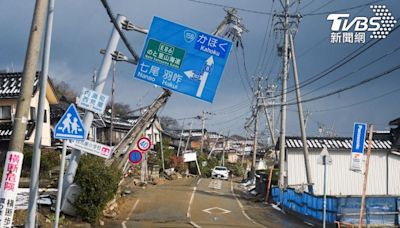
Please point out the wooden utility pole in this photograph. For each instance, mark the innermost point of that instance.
(28, 76)
(362, 209)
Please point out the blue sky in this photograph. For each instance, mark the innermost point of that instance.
(81, 28)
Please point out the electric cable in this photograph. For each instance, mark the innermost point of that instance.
(122, 35)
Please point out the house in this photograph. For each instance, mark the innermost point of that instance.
(384, 166)
(121, 126)
(195, 136)
(10, 84)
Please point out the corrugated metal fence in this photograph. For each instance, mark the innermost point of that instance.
(380, 210)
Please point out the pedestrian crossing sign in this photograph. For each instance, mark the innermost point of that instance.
(70, 126)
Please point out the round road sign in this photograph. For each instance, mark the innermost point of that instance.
(135, 156)
(144, 144)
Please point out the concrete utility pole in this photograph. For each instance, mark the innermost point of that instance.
(162, 150)
(223, 151)
(34, 183)
(180, 138)
(301, 118)
(88, 118)
(203, 119)
(28, 76)
(203, 122)
(112, 103)
(255, 141)
(285, 72)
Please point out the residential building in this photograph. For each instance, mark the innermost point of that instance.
(10, 84)
(121, 126)
(384, 166)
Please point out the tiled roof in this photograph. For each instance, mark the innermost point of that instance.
(334, 143)
(6, 130)
(10, 84)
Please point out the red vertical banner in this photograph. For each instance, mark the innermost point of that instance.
(9, 187)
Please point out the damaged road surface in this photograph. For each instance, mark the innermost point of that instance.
(194, 202)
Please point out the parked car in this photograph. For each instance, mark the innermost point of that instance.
(220, 172)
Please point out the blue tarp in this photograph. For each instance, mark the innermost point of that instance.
(380, 210)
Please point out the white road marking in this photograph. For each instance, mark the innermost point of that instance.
(215, 184)
(216, 211)
(130, 212)
(242, 208)
(190, 204)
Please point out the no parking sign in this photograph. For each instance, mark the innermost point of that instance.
(144, 144)
(135, 156)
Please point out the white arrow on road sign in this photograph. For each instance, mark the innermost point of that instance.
(192, 75)
(203, 78)
(70, 126)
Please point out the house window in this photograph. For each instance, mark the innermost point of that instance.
(45, 116)
(5, 112)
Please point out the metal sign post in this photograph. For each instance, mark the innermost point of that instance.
(68, 127)
(60, 182)
(324, 159)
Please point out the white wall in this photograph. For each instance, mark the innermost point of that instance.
(394, 174)
(46, 132)
(340, 180)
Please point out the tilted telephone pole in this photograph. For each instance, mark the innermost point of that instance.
(28, 76)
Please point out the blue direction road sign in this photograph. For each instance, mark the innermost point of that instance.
(183, 59)
(359, 132)
(70, 126)
(135, 156)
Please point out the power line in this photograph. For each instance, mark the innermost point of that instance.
(351, 73)
(226, 6)
(241, 76)
(346, 88)
(306, 5)
(359, 102)
(230, 120)
(327, 3)
(342, 10)
(266, 37)
(122, 35)
(338, 64)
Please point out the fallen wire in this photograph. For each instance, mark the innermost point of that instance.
(122, 35)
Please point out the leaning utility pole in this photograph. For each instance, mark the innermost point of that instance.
(34, 181)
(28, 76)
(286, 27)
(88, 118)
(301, 117)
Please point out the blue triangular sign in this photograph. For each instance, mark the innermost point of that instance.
(70, 126)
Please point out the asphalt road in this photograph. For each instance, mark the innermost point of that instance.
(191, 202)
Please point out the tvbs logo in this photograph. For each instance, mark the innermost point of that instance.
(347, 30)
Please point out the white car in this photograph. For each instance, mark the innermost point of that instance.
(220, 172)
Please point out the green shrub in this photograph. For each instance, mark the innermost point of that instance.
(235, 168)
(98, 183)
(49, 160)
